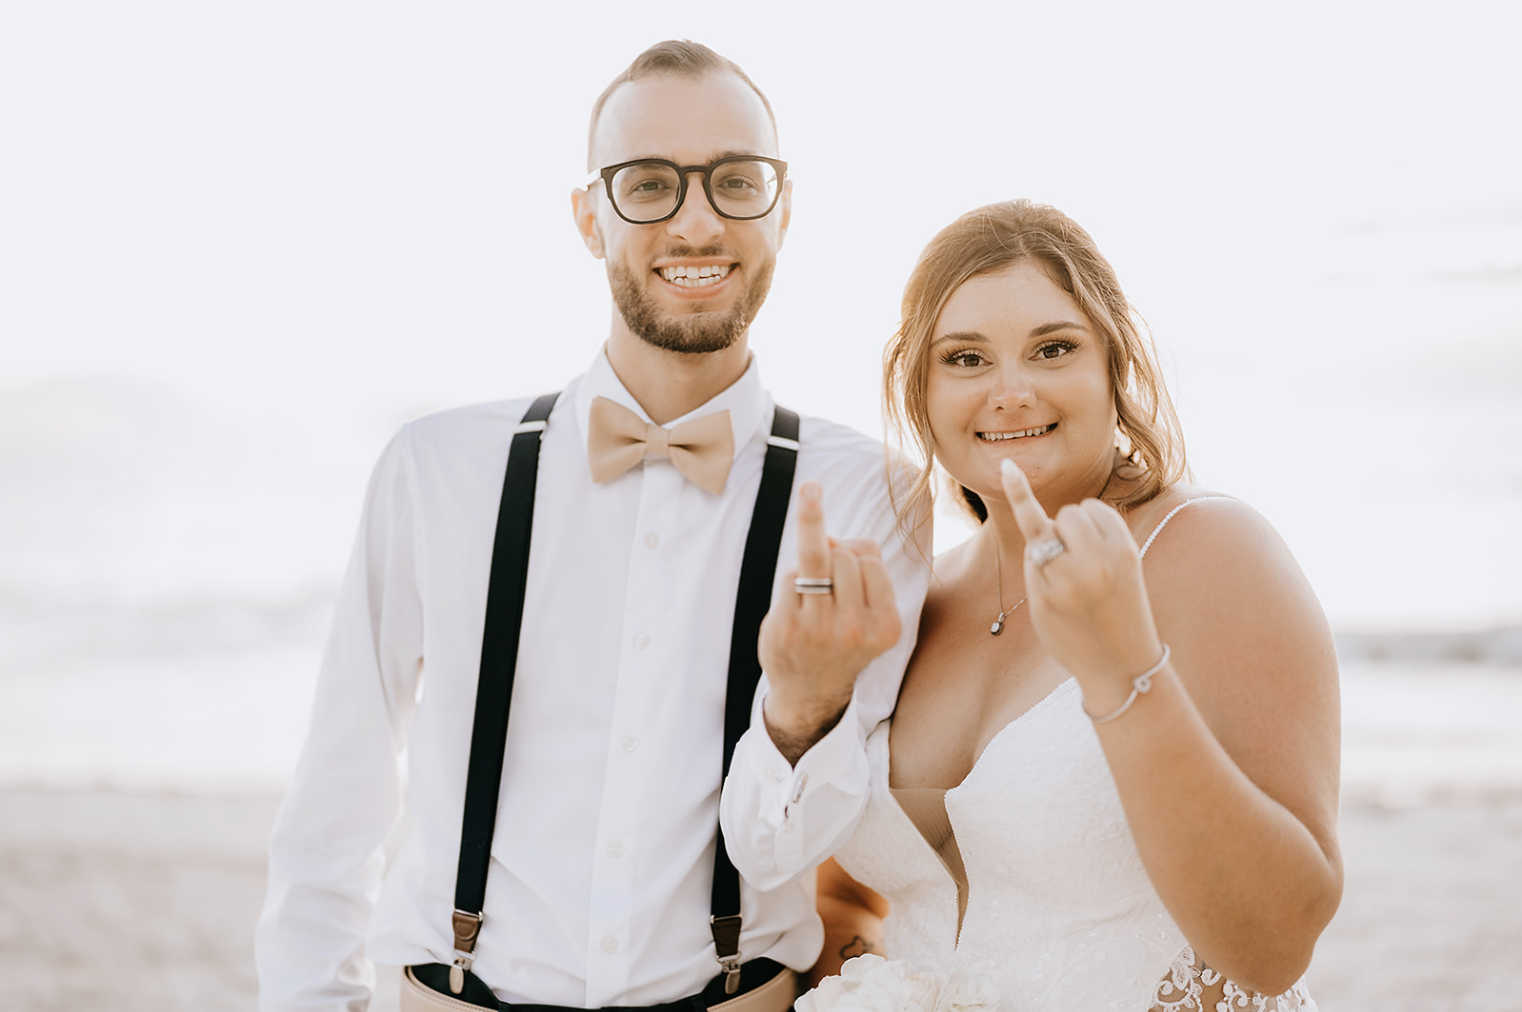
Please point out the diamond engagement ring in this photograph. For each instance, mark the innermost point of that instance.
(1043, 552)
(814, 585)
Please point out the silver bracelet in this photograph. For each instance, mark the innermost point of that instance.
(1140, 685)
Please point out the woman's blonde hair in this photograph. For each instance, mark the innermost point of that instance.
(992, 239)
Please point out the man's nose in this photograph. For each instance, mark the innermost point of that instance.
(695, 222)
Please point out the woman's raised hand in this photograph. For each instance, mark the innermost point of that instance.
(829, 618)
(1087, 600)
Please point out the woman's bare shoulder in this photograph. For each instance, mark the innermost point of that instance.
(1219, 573)
(1204, 524)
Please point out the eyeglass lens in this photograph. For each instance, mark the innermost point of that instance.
(647, 191)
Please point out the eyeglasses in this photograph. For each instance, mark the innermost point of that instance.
(741, 187)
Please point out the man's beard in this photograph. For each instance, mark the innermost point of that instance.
(697, 334)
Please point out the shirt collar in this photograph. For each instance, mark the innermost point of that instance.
(744, 399)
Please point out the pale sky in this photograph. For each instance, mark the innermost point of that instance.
(308, 214)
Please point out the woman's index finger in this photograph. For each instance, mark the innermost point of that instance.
(1029, 516)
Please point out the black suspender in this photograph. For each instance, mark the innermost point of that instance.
(758, 568)
(494, 688)
(499, 658)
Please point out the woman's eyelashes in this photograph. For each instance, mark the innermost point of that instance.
(966, 358)
(1056, 349)
(971, 358)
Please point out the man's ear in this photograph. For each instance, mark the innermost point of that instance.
(584, 210)
(786, 209)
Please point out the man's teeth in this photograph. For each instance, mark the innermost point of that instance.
(695, 277)
(994, 437)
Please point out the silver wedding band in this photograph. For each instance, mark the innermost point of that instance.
(1043, 552)
(814, 585)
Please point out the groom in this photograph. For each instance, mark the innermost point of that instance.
(598, 850)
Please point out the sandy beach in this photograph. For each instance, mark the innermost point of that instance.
(132, 850)
(146, 903)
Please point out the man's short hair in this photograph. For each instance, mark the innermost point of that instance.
(679, 58)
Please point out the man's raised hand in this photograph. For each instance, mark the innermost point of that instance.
(815, 641)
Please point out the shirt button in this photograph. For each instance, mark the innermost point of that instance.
(610, 944)
(630, 743)
(641, 641)
(616, 849)
(652, 540)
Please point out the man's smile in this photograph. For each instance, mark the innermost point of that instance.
(695, 277)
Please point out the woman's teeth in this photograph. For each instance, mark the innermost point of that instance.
(695, 277)
(995, 437)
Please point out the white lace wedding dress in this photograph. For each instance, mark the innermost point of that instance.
(1059, 911)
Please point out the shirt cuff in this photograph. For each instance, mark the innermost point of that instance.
(833, 759)
(780, 819)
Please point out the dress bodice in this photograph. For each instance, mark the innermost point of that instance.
(1060, 911)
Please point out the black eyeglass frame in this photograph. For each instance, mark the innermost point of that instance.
(683, 171)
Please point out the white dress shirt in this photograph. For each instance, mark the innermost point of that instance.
(598, 891)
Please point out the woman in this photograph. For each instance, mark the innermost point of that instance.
(1111, 777)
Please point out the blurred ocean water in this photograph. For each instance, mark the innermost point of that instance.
(214, 700)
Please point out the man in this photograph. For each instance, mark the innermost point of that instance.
(597, 892)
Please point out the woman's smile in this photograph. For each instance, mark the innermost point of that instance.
(999, 437)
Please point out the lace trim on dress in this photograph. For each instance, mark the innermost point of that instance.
(1191, 986)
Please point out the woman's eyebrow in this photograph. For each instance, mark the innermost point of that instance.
(960, 335)
(1047, 328)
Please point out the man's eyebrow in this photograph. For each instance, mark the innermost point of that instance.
(722, 154)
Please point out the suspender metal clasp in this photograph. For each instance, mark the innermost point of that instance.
(726, 946)
(467, 927)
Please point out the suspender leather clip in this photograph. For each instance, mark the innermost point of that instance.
(467, 927)
(726, 946)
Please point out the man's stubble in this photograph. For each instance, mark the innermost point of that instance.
(697, 334)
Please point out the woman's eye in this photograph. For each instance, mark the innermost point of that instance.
(965, 359)
(1055, 349)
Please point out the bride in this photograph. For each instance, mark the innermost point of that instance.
(1111, 778)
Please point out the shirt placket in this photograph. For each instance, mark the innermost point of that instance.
(611, 946)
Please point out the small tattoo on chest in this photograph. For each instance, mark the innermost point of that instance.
(856, 947)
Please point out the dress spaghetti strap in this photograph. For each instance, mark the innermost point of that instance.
(1171, 514)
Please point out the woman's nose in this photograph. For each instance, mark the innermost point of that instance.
(1011, 386)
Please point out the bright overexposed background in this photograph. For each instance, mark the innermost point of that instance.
(241, 243)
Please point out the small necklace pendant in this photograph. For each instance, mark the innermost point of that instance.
(998, 625)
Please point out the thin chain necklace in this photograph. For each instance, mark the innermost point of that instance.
(998, 625)
(1004, 613)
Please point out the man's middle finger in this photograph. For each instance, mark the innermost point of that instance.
(814, 568)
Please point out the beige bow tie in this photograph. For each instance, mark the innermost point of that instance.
(702, 450)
